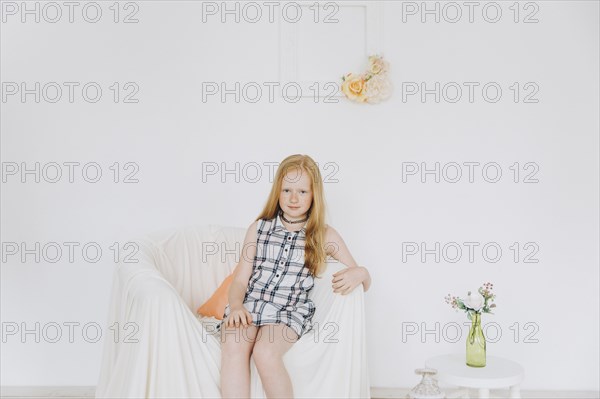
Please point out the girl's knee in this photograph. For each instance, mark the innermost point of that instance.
(272, 347)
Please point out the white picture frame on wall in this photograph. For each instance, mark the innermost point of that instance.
(323, 42)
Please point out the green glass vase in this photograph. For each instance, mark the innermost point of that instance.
(476, 343)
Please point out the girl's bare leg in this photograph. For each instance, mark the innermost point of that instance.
(271, 344)
(236, 347)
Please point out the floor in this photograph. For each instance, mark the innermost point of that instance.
(376, 393)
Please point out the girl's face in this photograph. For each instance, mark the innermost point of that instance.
(296, 194)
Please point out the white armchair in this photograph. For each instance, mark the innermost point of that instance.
(165, 351)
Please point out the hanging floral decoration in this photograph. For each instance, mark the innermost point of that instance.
(372, 86)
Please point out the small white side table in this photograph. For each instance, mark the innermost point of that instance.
(497, 373)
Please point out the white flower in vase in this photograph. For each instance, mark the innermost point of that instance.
(474, 302)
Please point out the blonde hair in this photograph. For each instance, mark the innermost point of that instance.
(314, 249)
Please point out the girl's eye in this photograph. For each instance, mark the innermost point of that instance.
(287, 189)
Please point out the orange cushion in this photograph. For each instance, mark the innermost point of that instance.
(215, 306)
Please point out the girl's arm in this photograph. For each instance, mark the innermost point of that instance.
(336, 248)
(243, 270)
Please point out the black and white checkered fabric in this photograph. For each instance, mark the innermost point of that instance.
(279, 285)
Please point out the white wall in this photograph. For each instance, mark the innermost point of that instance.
(171, 132)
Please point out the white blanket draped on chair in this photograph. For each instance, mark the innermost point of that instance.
(174, 356)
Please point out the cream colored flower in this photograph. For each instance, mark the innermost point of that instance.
(378, 88)
(354, 87)
(372, 86)
(377, 65)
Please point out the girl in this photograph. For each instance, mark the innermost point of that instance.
(284, 249)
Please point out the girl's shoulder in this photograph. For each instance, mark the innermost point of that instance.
(331, 234)
(262, 225)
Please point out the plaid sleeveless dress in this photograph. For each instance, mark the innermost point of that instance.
(279, 285)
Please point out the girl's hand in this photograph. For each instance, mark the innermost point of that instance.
(239, 315)
(347, 279)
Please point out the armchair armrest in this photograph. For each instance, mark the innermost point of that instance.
(163, 352)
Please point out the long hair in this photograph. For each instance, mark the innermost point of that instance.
(314, 249)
